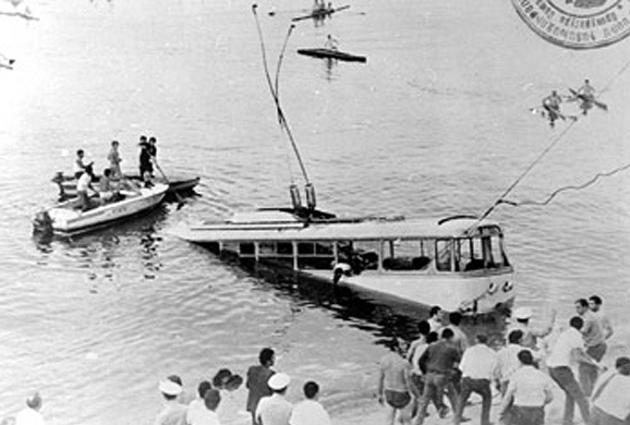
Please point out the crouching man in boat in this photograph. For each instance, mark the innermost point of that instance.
(85, 183)
(107, 191)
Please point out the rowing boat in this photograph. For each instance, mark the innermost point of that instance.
(320, 13)
(331, 54)
(67, 218)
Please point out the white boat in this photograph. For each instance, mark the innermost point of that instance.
(68, 218)
(458, 263)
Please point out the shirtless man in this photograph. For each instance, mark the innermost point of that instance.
(394, 385)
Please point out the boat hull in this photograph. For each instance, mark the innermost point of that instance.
(67, 221)
(331, 54)
(68, 185)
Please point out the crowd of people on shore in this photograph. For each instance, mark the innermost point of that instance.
(112, 180)
(266, 402)
(441, 363)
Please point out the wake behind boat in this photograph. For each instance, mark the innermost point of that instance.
(67, 218)
(325, 53)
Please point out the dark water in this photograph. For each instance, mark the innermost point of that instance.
(435, 123)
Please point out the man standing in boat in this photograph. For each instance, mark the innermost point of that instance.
(85, 183)
(146, 167)
(114, 160)
(79, 165)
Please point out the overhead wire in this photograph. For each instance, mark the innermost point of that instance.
(590, 182)
(281, 117)
(277, 90)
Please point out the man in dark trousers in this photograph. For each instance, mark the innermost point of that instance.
(437, 364)
(257, 377)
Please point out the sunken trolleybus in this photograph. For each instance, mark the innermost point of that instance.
(457, 262)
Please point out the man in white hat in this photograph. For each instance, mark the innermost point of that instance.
(530, 335)
(30, 414)
(173, 413)
(275, 409)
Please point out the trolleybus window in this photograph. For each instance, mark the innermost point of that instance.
(406, 254)
(485, 252)
(315, 255)
(285, 248)
(247, 248)
(360, 255)
(443, 254)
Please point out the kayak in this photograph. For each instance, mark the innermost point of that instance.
(320, 13)
(177, 183)
(68, 218)
(332, 54)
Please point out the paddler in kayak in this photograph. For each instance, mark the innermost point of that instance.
(586, 94)
(331, 43)
(6, 62)
(551, 104)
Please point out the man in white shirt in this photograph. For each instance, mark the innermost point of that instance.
(507, 359)
(611, 396)
(79, 164)
(275, 409)
(208, 416)
(479, 368)
(567, 352)
(173, 413)
(30, 414)
(528, 392)
(197, 406)
(309, 411)
(85, 183)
